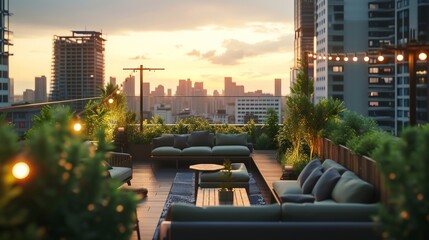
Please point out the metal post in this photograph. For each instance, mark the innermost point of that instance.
(141, 69)
(412, 81)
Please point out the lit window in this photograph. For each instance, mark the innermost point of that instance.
(373, 104)
(337, 68)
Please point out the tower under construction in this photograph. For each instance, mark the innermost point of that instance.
(77, 67)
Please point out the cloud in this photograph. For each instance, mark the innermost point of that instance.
(236, 50)
(114, 16)
(141, 57)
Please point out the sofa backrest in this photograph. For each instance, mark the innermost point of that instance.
(297, 212)
(230, 139)
(229, 213)
(351, 189)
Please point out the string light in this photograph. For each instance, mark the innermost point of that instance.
(355, 59)
(330, 58)
(77, 127)
(380, 58)
(366, 58)
(20, 170)
(423, 56)
(337, 58)
(110, 100)
(346, 59)
(400, 57)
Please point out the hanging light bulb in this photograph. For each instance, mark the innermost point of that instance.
(310, 55)
(314, 56)
(110, 101)
(366, 58)
(20, 170)
(337, 58)
(380, 58)
(324, 57)
(355, 58)
(346, 59)
(330, 58)
(423, 56)
(400, 57)
(77, 127)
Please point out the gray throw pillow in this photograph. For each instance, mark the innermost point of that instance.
(180, 141)
(311, 180)
(307, 170)
(201, 138)
(323, 188)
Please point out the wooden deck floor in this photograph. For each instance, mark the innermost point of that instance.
(159, 180)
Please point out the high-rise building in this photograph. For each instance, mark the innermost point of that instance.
(412, 25)
(304, 11)
(277, 87)
(112, 81)
(304, 29)
(129, 86)
(338, 24)
(77, 67)
(5, 42)
(381, 75)
(28, 96)
(40, 89)
(11, 90)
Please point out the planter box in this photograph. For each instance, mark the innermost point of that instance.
(140, 152)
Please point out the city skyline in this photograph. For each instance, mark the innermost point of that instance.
(204, 41)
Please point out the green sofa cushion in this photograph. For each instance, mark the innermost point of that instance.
(328, 163)
(351, 189)
(197, 151)
(187, 212)
(166, 151)
(201, 138)
(230, 151)
(166, 140)
(120, 173)
(286, 187)
(230, 139)
(295, 212)
(181, 141)
(238, 174)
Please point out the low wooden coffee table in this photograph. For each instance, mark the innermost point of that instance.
(210, 197)
(204, 167)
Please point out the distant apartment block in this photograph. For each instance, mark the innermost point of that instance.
(277, 87)
(163, 111)
(256, 108)
(77, 66)
(5, 42)
(112, 81)
(28, 96)
(40, 89)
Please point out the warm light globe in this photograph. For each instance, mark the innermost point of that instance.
(423, 56)
(366, 58)
(400, 57)
(380, 58)
(110, 100)
(329, 58)
(21, 170)
(346, 59)
(355, 59)
(77, 127)
(337, 58)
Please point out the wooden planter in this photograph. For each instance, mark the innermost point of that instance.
(140, 152)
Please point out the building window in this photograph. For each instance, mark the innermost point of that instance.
(337, 88)
(388, 80)
(373, 70)
(373, 94)
(373, 104)
(373, 80)
(337, 68)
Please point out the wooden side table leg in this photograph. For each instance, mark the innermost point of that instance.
(196, 183)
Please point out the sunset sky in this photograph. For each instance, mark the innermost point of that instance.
(203, 40)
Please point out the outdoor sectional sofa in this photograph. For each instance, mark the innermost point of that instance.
(201, 146)
(285, 221)
(327, 182)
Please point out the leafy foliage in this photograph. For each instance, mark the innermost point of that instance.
(263, 142)
(365, 144)
(272, 127)
(304, 85)
(405, 166)
(67, 194)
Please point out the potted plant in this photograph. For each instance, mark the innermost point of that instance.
(226, 192)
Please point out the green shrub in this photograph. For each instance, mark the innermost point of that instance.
(403, 162)
(263, 142)
(365, 144)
